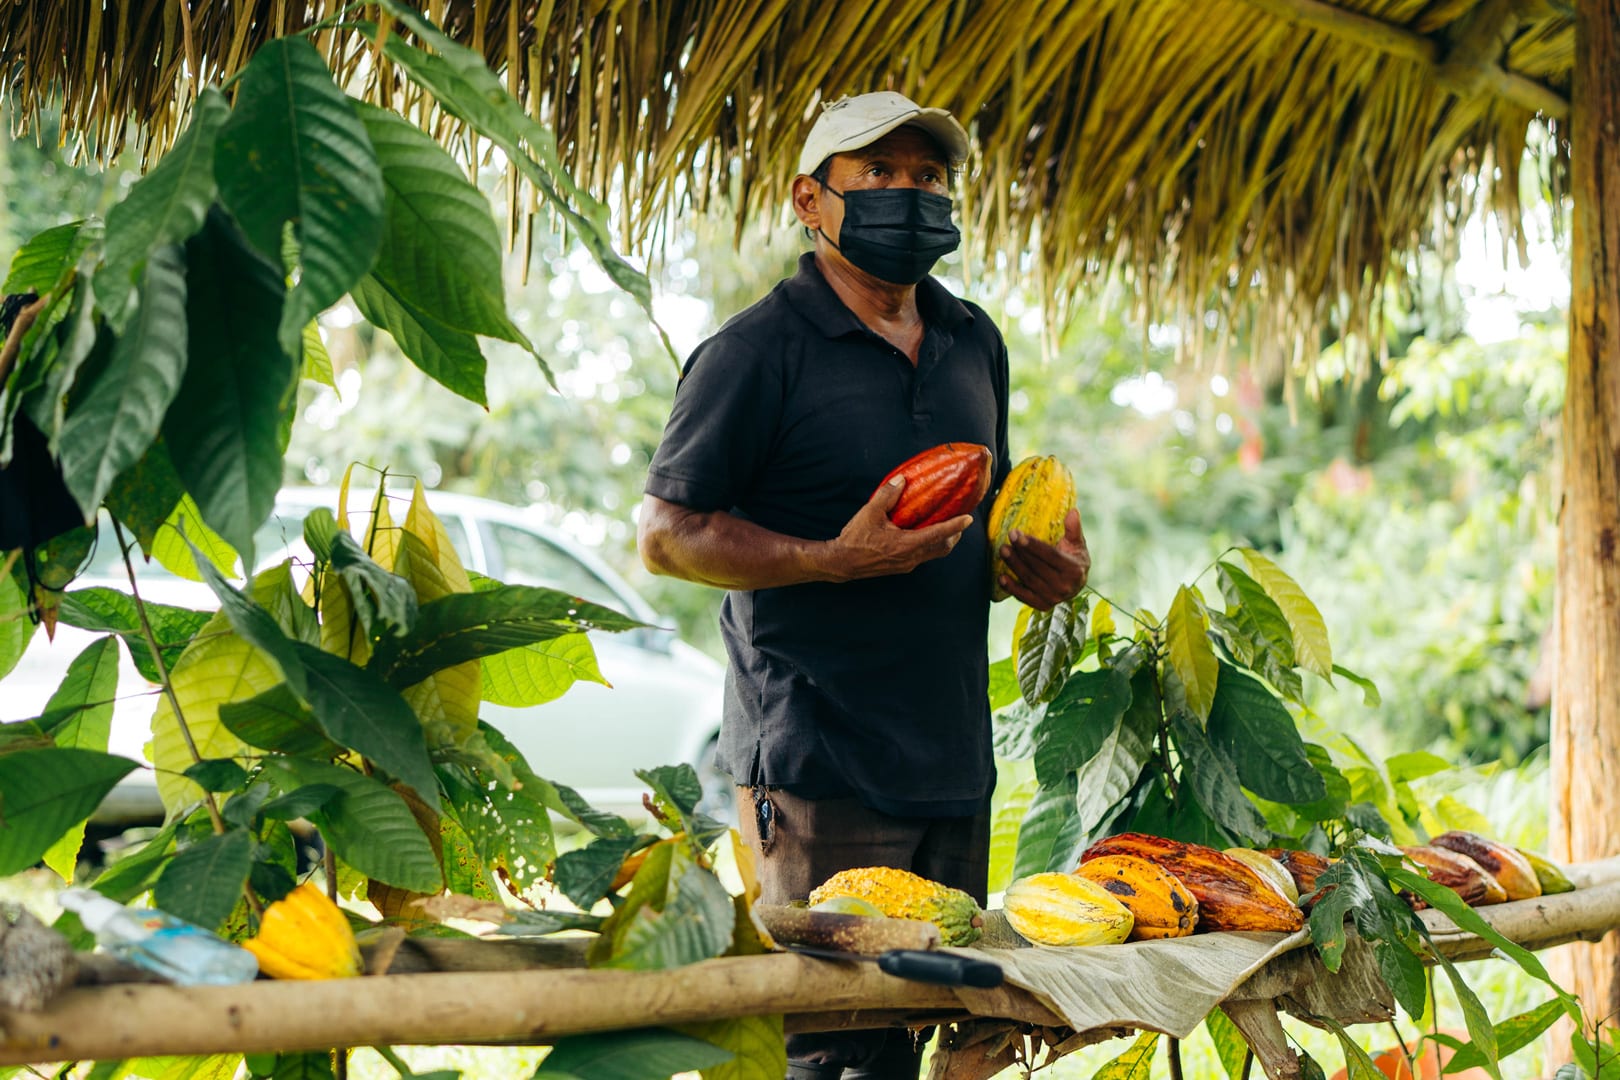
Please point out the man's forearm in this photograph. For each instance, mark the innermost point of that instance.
(720, 549)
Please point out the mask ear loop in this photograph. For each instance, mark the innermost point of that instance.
(819, 229)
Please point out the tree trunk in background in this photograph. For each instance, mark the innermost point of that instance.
(1586, 690)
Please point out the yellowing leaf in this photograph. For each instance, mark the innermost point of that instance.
(756, 1044)
(1102, 620)
(422, 523)
(1191, 654)
(317, 361)
(446, 701)
(382, 537)
(341, 632)
(185, 523)
(1020, 625)
(538, 673)
(63, 856)
(1311, 647)
(213, 671)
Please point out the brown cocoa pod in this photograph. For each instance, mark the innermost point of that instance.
(1459, 873)
(941, 482)
(1230, 895)
(1303, 866)
(1511, 869)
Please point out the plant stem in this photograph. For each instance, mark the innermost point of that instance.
(1411, 1062)
(393, 1059)
(1248, 1063)
(1175, 1059)
(174, 702)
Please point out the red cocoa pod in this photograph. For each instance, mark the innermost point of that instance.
(1230, 894)
(941, 483)
(1303, 866)
(1511, 869)
(1459, 873)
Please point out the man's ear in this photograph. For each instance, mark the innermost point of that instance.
(807, 201)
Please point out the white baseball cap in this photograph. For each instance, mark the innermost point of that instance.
(853, 122)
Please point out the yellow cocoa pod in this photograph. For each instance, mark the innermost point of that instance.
(1160, 905)
(1035, 498)
(1549, 873)
(1065, 909)
(1269, 869)
(900, 894)
(305, 936)
(848, 905)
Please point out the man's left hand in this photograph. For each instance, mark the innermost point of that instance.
(1044, 575)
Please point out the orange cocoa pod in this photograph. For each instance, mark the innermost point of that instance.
(941, 483)
(1161, 905)
(1230, 895)
(1459, 873)
(1303, 866)
(1511, 869)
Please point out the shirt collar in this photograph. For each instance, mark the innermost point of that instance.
(813, 298)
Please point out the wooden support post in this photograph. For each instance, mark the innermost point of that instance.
(1586, 693)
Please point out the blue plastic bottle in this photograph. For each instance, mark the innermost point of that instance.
(155, 940)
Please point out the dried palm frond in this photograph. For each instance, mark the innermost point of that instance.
(1285, 157)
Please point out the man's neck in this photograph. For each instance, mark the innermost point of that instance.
(881, 305)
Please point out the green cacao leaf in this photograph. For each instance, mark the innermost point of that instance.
(1251, 729)
(203, 882)
(693, 923)
(44, 793)
(163, 208)
(1513, 1034)
(1311, 648)
(16, 628)
(756, 1043)
(538, 673)
(112, 427)
(293, 151)
(1050, 812)
(143, 495)
(446, 355)
(1110, 774)
(1078, 721)
(367, 825)
(79, 713)
(222, 430)
(40, 263)
(643, 1054)
(1135, 1063)
(1191, 654)
(110, 611)
(1255, 612)
(1230, 1045)
(1214, 782)
(1048, 649)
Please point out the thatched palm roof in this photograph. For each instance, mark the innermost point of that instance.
(1215, 151)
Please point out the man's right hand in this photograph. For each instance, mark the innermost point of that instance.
(871, 545)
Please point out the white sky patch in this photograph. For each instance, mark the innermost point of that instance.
(1497, 291)
(684, 318)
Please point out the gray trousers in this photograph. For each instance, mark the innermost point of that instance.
(799, 843)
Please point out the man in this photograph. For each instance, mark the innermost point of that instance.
(856, 722)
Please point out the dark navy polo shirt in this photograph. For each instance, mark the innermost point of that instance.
(790, 416)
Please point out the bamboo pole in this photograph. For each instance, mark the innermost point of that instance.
(1586, 689)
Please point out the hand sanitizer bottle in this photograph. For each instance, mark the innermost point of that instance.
(155, 940)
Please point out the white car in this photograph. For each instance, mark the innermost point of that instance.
(663, 707)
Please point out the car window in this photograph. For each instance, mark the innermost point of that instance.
(528, 559)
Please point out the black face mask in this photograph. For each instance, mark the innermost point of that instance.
(895, 234)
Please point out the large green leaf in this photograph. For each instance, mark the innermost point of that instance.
(1186, 633)
(1248, 604)
(1110, 773)
(446, 355)
(362, 712)
(367, 825)
(462, 83)
(183, 536)
(584, 874)
(44, 793)
(120, 415)
(40, 263)
(203, 882)
(107, 610)
(1079, 720)
(79, 713)
(164, 207)
(1230, 1045)
(641, 1054)
(1050, 812)
(440, 249)
(1513, 1034)
(1214, 782)
(1311, 648)
(694, 923)
(538, 673)
(222, 430)
(384, 601)
(470, 626)
(16, 628)
(1050, 643)
(508, 829)
(1252, 730)
(293, 151)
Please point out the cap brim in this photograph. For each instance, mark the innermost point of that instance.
(938, 123)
